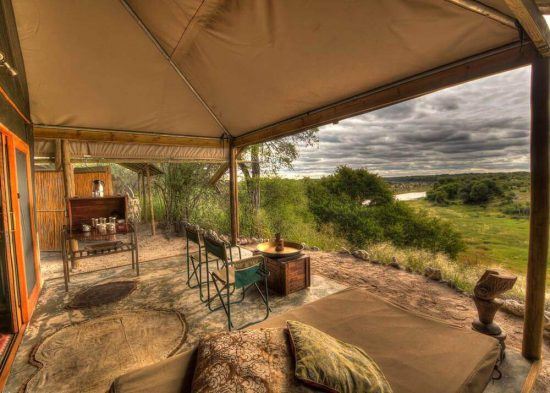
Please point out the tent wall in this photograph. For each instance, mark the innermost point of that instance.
(13, 91)
(19, 259)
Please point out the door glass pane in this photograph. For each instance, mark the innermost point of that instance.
(5, 233)
(24, 204)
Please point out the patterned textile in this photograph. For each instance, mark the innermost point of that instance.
(332, 365)
(246, 361)
(214, 237)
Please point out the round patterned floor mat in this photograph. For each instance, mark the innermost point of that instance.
(88, 356)
(101, 294)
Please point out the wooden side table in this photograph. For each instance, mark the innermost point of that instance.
(105, 244)
(288, 275)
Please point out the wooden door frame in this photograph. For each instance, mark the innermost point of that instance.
(28, 301)
(17, 315)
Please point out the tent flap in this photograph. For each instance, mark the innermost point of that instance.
(126, 152)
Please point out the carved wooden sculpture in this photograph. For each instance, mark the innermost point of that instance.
(279, 243)
(489, 286)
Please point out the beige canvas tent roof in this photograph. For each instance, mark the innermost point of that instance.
(243, 70)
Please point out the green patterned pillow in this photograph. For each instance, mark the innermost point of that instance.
(330, 364)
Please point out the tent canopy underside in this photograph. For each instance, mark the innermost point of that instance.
(217, 69)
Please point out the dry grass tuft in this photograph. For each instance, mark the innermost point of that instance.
(461, 276)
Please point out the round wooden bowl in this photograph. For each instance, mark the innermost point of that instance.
(291, 249)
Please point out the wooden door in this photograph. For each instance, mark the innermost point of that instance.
(22, 214)
(8, 262)
(23, 202)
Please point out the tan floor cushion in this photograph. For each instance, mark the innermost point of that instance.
(173, 375)
(416, 353)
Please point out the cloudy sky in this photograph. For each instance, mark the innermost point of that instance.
(481, 126)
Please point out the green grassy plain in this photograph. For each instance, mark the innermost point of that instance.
(492, 238)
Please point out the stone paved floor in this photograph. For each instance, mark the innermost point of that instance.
(160, 286)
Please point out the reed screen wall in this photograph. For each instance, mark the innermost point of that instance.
(50, 200)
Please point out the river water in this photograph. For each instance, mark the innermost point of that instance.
(408, 196)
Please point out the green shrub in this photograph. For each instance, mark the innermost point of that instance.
(334, 199)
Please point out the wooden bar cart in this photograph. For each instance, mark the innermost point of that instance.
(81, 211)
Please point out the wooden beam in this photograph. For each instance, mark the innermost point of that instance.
(486, 64)
(489, 12)
(539, 219)
(532, 21)
(150, 197)
(82, 134)
(233, 195)
(222, 169)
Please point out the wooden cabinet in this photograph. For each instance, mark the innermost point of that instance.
(82, 210)
(288, 275)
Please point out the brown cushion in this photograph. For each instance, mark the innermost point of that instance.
(173, 375)
(250, 361)
(416, 353)
(335, 366)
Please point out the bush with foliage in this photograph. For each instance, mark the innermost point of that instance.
(338, 199)
(284, 208)
(466, 190)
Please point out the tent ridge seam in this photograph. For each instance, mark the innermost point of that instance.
(174, 65)
(187, 27)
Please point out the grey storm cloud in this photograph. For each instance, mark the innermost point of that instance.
(479, 126)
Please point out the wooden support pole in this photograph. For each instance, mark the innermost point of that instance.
(58, 155)
(150, 197)
(233, 194)
(143, 197)
(222, 169)
(539, 220)
(68, 182)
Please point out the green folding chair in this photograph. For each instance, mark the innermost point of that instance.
(195, 260)
(235, 275)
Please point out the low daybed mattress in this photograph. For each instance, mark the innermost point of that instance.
(415, 352)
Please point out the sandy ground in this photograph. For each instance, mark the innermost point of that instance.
(410, 290)
(150, 248)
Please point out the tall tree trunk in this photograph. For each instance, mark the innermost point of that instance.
(255, 169)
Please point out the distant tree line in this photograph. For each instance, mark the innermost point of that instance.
(467, 191)
(478, 189)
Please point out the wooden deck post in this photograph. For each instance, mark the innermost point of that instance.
(539, 220)
(150, 197)
(233, 194)
(68, 182)
(58, 155)
(143, 197)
